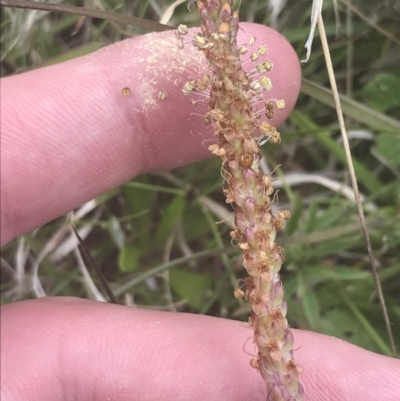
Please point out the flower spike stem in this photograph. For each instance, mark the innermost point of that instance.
(233, 95)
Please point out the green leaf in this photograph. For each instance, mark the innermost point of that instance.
(128, 259)
(194, 224)
(365, 176)
(340, 323)
(389, 146)
(363, 114)
(294, 254)
(138, 201)
(330, 217)
(170, 216)
(310, 305)
(297, 208)
(368, 327)
(191, 286)
(318, 274)
(311, 218)
(382, 92)
(158, 188)
(332, 247)
(320, 236)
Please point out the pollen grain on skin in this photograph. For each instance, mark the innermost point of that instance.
(254, 56)
(126, 92)
(280, 104)
(182, 30)
(266, 83)
(189, 87)
(262, 50)
(162, 95)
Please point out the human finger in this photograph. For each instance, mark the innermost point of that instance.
(68, 134)
(65, 348)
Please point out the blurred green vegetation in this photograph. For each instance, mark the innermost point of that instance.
(155, 238)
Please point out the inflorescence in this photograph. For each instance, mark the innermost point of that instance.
(238, 114)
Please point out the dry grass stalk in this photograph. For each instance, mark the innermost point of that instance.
(232, 111)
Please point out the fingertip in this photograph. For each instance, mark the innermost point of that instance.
(72, 135)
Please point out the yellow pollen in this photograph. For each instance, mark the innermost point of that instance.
(280, 104)
(125, 92)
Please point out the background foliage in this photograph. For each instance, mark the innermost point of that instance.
(155, 237)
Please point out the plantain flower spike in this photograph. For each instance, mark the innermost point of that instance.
(239, 131)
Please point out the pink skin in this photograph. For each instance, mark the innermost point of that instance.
(67, 136)
(71, 349)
